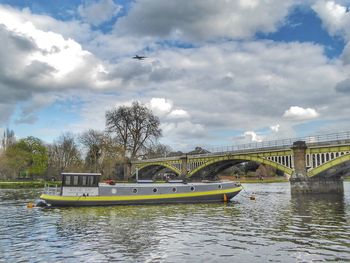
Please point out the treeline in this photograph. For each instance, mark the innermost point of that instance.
(131, 132)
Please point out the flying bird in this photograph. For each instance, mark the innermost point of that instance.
(139, 57)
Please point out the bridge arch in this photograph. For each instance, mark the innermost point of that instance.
(159, 164)
(330, 164)
(278, 166)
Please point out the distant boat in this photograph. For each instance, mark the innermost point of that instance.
(84, 189)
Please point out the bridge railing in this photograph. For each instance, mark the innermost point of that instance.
(310, 140)
(332, 138)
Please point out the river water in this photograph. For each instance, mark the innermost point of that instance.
(273, 228)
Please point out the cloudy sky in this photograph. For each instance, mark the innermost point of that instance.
(218, 72)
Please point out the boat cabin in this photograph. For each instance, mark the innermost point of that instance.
(80, 184)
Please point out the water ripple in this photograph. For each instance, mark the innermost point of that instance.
(275, 227)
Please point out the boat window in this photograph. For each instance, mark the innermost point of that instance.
(92, 181)
(192, 188)
(155, 190)
(67, 180)
(220, 186)
(75, 180)
(83, 180)
(174, 190)
(134, 190)
(80, 180)
(114, 191)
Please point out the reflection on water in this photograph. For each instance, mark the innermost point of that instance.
(275, 227)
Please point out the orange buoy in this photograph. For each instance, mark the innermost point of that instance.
(225, 198)
(30, 205)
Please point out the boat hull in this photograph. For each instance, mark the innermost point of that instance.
(190, 197)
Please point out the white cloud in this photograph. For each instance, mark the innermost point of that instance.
(275, 128)
(178, 115)
(299, 113)
(63, 55)
(34, 62)
(335, 17)
(160, 106)
(99, 12)
(164, 109)
(252, 136)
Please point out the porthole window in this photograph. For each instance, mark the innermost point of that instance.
(134, 190)
(114, 191)
(192, 188)
(174, 190)
(155, 190)
(220, 186)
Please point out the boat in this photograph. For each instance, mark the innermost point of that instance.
(84, 189)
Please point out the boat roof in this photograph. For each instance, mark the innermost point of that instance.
(96, 174)
(150, 185)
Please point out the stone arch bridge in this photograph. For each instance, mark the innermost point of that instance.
(312, 162)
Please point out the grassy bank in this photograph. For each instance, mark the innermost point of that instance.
(26, 184)
(249, 179)
(265, 180)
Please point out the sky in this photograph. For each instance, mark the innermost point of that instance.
(217, 72)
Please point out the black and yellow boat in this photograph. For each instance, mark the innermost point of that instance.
(84, 189)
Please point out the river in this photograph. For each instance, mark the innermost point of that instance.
(273, 228)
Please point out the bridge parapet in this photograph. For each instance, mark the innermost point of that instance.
(317, 156)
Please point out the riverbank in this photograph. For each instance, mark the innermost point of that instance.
(251, 179)
(27, 184)
(41, 184)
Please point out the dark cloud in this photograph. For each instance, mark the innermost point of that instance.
(5, 111)
(38, 69)
(26, 119)
(13, 49)
(203, 19)
(343, 86)
(14, 41)
(98, 12)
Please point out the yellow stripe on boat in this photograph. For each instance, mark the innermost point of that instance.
(137, 197)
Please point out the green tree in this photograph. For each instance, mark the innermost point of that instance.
(33, 155)
(16, 160)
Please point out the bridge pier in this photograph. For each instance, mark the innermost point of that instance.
(184, 171)
(318, 185)
(302, 184)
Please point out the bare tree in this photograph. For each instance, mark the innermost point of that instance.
(64, 153)
(102, 152)
(134, 127)
(92, 141)
(156, 149)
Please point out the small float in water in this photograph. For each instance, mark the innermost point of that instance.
(84, 189)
